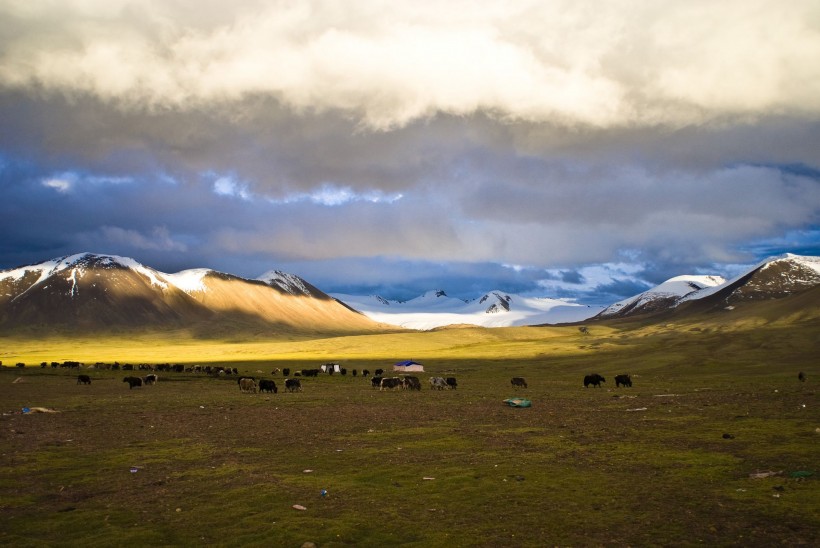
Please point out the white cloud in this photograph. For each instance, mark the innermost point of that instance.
(609, 64)
(227, 186)
(333, 195)
(60, 185)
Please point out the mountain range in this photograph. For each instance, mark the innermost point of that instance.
(493, 309)
(91, 292)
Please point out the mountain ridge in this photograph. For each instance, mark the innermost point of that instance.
(99, 292)
(434, 309)
(776, 277)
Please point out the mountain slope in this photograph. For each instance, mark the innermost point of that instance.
(776, 278)
(661, 297)
(91, 292)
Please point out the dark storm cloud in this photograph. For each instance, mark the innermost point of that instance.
(572, 277)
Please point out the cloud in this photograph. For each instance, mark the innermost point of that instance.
(158, 239)
(572, 63)
(60, 185)
(328, 194)
(227, 186)
(416, 144)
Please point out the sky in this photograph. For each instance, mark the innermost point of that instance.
(577, 149)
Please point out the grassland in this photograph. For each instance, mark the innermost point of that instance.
(645, 466)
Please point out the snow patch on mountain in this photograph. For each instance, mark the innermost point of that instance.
(189, 281)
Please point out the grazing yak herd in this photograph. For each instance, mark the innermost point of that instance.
(251, 385)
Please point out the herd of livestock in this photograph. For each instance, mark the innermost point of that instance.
(252, 385)
(249, 384)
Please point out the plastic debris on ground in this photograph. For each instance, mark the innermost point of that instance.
(801, 473)
(766, 474)
(28, 410)
(518, 402)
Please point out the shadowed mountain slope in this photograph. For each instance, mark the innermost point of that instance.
(89, 292)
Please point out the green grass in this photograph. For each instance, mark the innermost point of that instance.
(642, 466)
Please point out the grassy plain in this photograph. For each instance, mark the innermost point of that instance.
(645, 466)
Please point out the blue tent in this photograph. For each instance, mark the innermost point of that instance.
(408, 366)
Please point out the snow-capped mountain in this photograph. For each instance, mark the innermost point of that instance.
(774, 278)
(291, 284)
(90, 291)
(663, 296)
(494, 309)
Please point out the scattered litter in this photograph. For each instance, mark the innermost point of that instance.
(134, 469)
(323, 492)
(767, 474)
(427, 478)
(202, 407)
(638, 409)
(776, 495)
(518, 402)
(179, 509)
(17, 380)
(27, 410)
(740, 490)
(665, 395)
(308, 471)
(299, 507)
(801, 473)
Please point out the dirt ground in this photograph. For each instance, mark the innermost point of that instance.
(193, 461)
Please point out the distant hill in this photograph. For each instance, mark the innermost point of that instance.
(493, 309)
(90, 292)
(782, 278)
